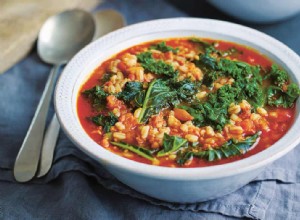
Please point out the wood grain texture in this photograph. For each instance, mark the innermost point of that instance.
(21, 20)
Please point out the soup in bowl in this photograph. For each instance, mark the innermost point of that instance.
(185, 111)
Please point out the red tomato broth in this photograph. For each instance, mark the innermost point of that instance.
(278, 127)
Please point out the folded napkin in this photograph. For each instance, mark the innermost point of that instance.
(20, 22)
(77, 187)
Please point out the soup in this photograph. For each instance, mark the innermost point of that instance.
(187, 102)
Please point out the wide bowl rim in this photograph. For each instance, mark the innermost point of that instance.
(76, 134)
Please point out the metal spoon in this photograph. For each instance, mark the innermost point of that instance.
(106, 21)
(60, 38)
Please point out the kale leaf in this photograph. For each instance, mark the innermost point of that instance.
(276, 95)
(143, 152)
(278, 76)
(105, 121)
(214, 111)
(105, 78)
(155, 66)
(250, 88)
(210, 48)
(248, 80)
(208, 61)
(186, 89)
(159, 95)
(133, 93)
(207, 47)
(171, 144)
(229, 149)
(163, 93)
(97, 96)
(162, 46)
(279, 98)
(184, 157)
(210, 77)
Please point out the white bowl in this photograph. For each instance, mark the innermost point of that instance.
(258, 11)
(183, 185)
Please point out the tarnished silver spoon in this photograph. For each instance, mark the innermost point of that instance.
(60, 38)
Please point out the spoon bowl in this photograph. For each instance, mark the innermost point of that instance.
(107, 21)
(63, 35)
(60, 38)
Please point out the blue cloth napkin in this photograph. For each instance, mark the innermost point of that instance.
(77, 187)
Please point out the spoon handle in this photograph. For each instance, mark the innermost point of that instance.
(28, 157)
(48, 147)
